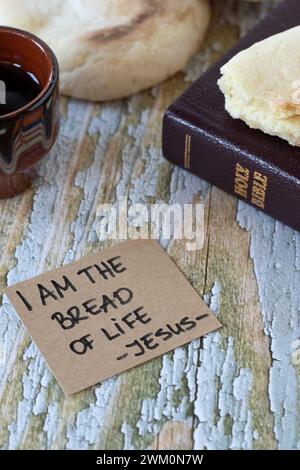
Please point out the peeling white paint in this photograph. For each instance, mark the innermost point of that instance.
(215, 297)
(33, 396)
(244, 15)
(105, 125)
(85, 430)
(127, 431)
(51, 424)
(219, 398)
(155, 411)
(274, 250)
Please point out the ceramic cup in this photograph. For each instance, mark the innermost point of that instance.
(27, 134)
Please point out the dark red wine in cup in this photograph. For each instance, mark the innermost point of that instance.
(18, 87)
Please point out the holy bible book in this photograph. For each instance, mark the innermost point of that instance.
(199, 135)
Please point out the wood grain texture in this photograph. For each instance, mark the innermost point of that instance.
(237, 388)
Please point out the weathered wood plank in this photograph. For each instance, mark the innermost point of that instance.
(239, 387)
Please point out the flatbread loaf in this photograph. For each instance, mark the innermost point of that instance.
(109, 49)
(262, 86)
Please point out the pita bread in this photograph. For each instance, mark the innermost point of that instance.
(109, 49)
(262, 86)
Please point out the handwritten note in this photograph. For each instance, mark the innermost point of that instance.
(110, 312)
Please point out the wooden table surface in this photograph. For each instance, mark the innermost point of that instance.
(238, 388)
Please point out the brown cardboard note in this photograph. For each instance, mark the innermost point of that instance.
(109, 312)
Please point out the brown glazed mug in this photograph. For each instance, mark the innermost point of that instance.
(28, 133)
